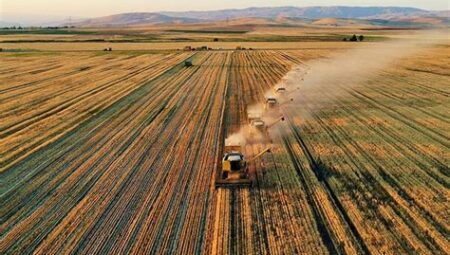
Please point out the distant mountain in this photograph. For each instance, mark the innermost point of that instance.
(305, 12)
(443, 14)
(130, 19)
(277, 14)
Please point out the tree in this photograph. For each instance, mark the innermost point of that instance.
(344, 39)
(354, 39)
(216, 39)
(361, 38)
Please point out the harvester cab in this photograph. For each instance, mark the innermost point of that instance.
(234, 168)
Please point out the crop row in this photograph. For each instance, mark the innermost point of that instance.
(274, 216)
(365, 163)
(134, 177)
(373, 162)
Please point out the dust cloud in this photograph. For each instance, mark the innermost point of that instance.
(345, 70)
(237, 138)
(335, 75)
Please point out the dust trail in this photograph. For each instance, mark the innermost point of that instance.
(339, 73)
(351, 68)
(237, 138)
(335, 75)
(247, 134)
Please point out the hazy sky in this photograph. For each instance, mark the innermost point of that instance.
(89, 8)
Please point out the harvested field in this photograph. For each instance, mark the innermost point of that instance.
(136, 46)
(117, 153)
(380, 184)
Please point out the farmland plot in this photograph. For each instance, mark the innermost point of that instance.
(117, 166)
(116, 154)
(366, 172)
(279, 214)
(383, 150)
(88, 149)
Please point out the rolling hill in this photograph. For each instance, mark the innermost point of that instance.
(403, 16)
(305, 12)
(129, 19)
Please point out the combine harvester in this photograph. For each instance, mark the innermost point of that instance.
(234, 168)
(284, 93)
(260, 126)
(271, 103)
(280, 90)
(256, 120)
(233, 172)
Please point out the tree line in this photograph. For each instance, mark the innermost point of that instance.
(354, 38)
